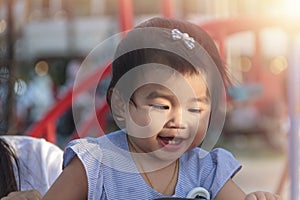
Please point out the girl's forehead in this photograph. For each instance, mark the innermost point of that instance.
(187, 86)
(163, 73)
(180, 84)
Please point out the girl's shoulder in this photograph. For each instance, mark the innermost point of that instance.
(213, 158)
(117, 138)
(213, 154)
(211, 169)
(91, 148)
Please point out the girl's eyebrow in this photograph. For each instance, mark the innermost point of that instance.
(156, 94)
(204, 99)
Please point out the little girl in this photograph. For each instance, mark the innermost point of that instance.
(166, 95)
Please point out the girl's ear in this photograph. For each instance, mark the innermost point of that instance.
(118, 107)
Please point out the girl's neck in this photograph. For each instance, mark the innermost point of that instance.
(163, 179)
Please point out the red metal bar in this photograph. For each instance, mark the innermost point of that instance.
(97, 124)
(168, 8)
(40, 129)
(102, 113)
(125, 15)
(51, 132)
(257, 58)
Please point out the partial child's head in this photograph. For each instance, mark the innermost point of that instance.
(165, 58)
(126, 58)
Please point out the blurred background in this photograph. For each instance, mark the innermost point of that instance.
(44, 42)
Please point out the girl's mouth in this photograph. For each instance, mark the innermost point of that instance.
(170, 142)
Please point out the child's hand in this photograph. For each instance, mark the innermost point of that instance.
(259, 195)
(23, 195)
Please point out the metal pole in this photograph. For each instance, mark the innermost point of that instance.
(168, 8)
(294, 112)
(70, 29)
(125, 15)
(10, 101)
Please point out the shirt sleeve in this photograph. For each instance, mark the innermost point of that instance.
(89, 153)
(52, 155)
(225, 166)
(40, 162)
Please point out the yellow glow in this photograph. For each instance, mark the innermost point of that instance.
(278, 65)
(245, 64)
(292, 8)
(41, 68)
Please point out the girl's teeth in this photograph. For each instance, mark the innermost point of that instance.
(172, 142)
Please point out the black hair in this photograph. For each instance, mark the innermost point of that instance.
(134, 58)
(8, 160)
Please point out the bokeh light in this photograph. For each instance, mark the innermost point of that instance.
(278, 65)
(41, 68)
(245, 63)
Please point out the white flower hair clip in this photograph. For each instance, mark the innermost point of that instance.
(188, 41)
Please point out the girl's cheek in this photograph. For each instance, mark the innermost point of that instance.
(157, 120)
(139, 116)
(199, 129)
(146, 122)
(198, 137)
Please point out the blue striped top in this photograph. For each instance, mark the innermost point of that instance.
(111, 172)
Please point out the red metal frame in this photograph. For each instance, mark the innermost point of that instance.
(125, 15)
(167, 8)
(99, 124)
(46, 126)
(218, 29)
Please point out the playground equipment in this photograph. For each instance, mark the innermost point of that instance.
(46, 127)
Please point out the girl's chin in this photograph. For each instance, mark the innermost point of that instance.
(169, 156)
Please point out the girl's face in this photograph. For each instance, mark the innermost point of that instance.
(171, 119)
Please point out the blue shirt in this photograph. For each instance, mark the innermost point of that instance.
(112, 174)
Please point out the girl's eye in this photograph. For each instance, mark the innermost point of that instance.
(195, 110)
(160, 107)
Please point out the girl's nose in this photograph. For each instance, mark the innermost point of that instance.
(175, 120)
